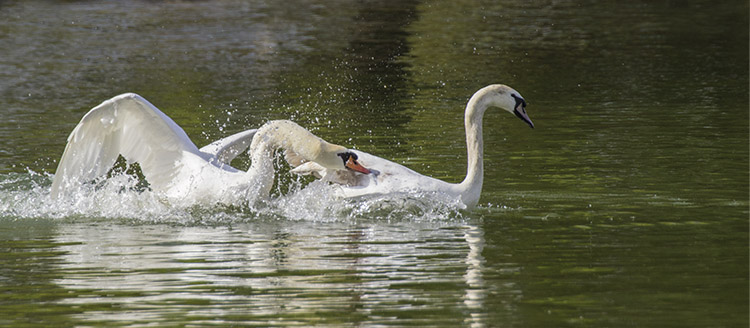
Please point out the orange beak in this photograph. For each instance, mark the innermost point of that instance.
(353, 165)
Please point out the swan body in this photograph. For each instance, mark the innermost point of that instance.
(390, 177)
(130, 126)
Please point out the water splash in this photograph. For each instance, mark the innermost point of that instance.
(120, 197)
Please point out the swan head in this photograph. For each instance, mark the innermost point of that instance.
(505, 97)
(337, 157)
(350, 162)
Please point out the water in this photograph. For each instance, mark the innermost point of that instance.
(626, 206)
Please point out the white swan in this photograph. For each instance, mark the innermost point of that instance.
(130, 126)
(390, 177)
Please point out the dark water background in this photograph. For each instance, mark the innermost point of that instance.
(626, 206)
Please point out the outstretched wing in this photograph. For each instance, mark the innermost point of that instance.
(225, 150)
(126, 125)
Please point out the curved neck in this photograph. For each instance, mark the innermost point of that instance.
(270, 136)
(261, 171)
(286, 135)
(471, 187)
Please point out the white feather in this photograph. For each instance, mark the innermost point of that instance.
(130, 126)
(389, 177)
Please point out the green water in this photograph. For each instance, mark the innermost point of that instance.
(627, 205)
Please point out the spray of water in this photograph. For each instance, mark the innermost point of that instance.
(120, 197)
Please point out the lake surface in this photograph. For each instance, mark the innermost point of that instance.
(627, 205)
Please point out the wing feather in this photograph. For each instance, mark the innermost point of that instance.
(126, 125)
(226, 149)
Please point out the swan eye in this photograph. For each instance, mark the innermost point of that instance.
(345, 156)
(518, 100)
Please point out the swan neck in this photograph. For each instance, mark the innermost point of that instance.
(261, 171)
(270, 136)
(286, 135)
(472, 184)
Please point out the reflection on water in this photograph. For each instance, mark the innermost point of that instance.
(476, 289)
(627, 205)
(248, 273)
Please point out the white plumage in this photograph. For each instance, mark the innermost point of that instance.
(130, 126)
(390, 177)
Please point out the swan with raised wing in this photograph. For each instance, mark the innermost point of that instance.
(130, 126)
(390, 177)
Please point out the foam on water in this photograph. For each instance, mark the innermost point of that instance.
(26, 195)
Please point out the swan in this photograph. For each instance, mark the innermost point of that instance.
(130, 126)
(390, 177)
